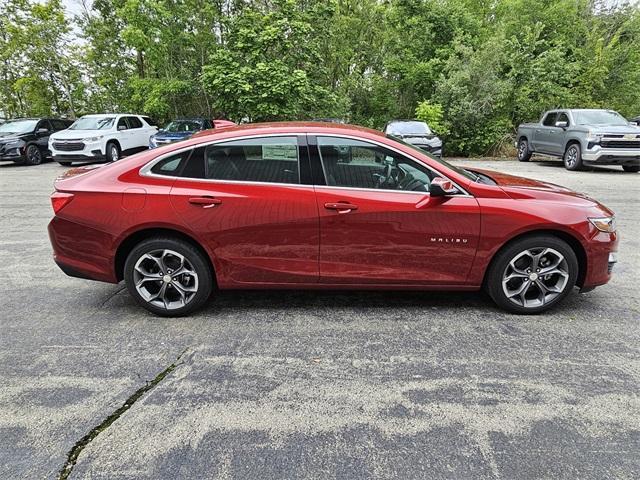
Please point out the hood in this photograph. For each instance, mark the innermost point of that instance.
(77, 134)
(521, 188)
(10, 135)
(173, 135)
(615, 129)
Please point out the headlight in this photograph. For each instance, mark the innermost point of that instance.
(594, 137)
(604, 224)
(93, 139)
(14, 143)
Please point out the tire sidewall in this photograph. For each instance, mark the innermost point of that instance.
(502, 258)
(201, 265)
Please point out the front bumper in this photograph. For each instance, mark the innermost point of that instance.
(612, 156)
(12, 153)
(601, 258)
(95, 156)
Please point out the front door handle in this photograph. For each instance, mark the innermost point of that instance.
(341, 207)
(205, 202)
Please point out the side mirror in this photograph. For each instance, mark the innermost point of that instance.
(562, 124)
(42, 130)
(441, 187)
(121, 127)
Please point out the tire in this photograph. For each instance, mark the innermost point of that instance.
(163, 256)
(524, 154)
(631, 168)
(33, 155)
(573, 157)
(65, 164)
(516, 262)
(112, 152)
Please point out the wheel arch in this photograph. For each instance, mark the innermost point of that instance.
(112, 140)
(128, 244)
(571, 240)
(572, 141)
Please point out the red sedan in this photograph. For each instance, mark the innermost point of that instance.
(313, 205)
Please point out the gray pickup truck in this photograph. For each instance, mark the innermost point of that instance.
(582, 137)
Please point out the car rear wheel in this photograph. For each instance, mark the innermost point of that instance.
(168, 277)
(573, 158)
(631, 168)
(523, 150)
(113, 152)
(532, 274)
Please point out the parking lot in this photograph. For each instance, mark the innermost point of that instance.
(314, 384)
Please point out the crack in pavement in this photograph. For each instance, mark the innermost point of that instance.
(112, 295)
(74, 453)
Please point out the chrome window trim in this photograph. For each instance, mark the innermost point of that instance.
(145, 170)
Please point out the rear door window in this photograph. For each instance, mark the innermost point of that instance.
(134, 122)
(268, 159)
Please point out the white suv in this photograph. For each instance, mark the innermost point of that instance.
(101, 138)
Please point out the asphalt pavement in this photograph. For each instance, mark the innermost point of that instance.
(314, 385)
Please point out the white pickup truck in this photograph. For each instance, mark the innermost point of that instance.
(581, 138)
(100, 138)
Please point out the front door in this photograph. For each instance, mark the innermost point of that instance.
(246, 200)
(378, 224)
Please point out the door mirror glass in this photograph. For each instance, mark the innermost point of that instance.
(122, 127)
(43, 130)
(441, 187)
(562, 124)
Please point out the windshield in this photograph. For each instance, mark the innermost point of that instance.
(409, 128)
(599, 117)
(461, 171)
(183, 126)
(93, 123)
(19, 126)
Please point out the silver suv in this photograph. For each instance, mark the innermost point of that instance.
(582, 137)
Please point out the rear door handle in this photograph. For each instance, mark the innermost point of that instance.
(205, 202)
(341, 207)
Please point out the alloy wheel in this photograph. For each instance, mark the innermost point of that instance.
(114, 153)
(535, 277)
(33, 155)
(166, 279)
(522, 149)
(572, 157)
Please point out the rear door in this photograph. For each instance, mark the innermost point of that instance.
(252, 203)
(544, 133)
(378, 224)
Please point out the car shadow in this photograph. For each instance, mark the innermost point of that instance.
(558, 164)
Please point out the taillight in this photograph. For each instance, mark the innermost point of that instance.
(59, 200)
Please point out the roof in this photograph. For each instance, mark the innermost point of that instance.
(293, 127)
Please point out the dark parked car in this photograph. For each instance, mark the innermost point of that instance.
(180, 129)
(25, 140)
(416, 133)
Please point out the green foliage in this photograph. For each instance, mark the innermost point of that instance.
(473, 69)
(433, 114)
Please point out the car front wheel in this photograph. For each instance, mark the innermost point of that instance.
(573, 158)
(168, 276)
(113, 152)
(631, 168)
(532, 274)
(33, 155)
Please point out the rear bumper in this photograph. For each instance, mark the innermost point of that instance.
(612, 156)
(81, 251)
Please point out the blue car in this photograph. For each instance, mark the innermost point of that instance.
(177, 130)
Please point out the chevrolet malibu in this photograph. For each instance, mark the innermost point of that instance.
(323, 206)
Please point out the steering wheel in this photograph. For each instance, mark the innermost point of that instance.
(383, 179)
